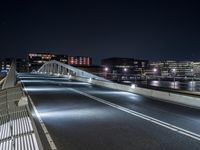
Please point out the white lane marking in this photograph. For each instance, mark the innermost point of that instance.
(143, 116)
(46, 132)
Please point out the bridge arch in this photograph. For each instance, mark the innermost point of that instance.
(55, 67)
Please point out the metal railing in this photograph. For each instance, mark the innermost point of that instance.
(17, 129)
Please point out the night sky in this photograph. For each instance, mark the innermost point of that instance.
(142, 29)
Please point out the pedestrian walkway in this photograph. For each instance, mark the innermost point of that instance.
(17, 129)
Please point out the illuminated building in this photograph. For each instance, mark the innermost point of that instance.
(183, 68)
(21, 65)
(5, 65)
(119, 65)
(62, 58)
(36, 60)
(79, 60)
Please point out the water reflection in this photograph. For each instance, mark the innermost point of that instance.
(187, 85)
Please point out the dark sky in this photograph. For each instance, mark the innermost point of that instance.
(142, 29)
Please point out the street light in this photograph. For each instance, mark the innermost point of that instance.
(125, 69)
(90, 80)
(192, 71)
(125, 73)
(174, 70)
(133, 86)
(106, 69)
(174, 74)
(155, 71)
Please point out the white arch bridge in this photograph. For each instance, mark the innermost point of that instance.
(55, 67)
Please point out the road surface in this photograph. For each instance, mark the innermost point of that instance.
(81, 116)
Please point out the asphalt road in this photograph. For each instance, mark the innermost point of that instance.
(80, 116)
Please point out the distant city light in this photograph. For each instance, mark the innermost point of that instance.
(125, 69)
(90, 80)
(173, 70)
(106, 69)
(4, 71)
(155, 70)
(133, 86)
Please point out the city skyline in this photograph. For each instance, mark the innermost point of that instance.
(94, 62)
(143, 30)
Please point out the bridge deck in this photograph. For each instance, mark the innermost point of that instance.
(80, 115)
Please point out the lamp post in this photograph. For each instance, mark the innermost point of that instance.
(146, 78)
(125, 73)
(192, 71)
(106, 71)
(174, 74)
(135, 79)
(155, 71)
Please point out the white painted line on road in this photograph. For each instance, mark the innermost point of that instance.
(143, 116)
(46, 132)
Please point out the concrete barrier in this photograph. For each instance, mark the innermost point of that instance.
(181, 99)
